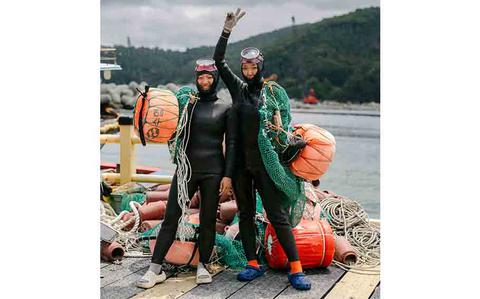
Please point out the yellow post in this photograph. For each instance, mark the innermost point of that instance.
(127, 150)
(127, 141)
(141, 178)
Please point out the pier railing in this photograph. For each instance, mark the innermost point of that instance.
(127, 140)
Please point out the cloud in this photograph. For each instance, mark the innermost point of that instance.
(180, 24)
(324, 4)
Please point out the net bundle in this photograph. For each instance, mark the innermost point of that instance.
(231, 252)
(272, 143)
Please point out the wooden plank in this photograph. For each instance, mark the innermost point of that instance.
(376, 293)
(322, 279)
(126, 287)
(113, 272)
(222, 286)
(354, 286)
(174, 287)
(267, 286)
(123, 288)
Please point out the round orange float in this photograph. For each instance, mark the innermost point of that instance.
(156, 115)
(315, 244)
(313, 161)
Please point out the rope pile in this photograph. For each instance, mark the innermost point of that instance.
(347, 218)
(128, 239)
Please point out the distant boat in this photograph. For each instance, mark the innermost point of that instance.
(311, 98)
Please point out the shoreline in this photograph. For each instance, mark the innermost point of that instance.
(123, 97)
(374, 113)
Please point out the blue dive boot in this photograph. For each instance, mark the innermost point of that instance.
(299, 281)
(250, 273)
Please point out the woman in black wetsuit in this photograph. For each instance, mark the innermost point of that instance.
(250, 172)
(209, 170)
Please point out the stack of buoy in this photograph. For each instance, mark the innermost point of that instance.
(180, 253)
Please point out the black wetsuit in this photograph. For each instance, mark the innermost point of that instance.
(250, 173)
(209, 122)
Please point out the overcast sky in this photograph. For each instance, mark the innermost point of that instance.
(180, 24)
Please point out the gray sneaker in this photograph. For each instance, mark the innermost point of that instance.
(203, 276)
(149, 279)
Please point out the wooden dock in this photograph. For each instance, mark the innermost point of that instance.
(118, 281)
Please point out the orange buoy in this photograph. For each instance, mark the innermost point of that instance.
(227, 211)
(111, 251)
(344, 251)
(195, 202)
(315, 245)
(164, 187)
(193, 211)
(194, 218)
(148, 224)
(313, 161)
(152, 211)
(126, 218)
(157, 114)
(180, 252)
(153, 196)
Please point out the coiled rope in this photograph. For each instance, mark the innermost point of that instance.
(128, 239)
(347, 218)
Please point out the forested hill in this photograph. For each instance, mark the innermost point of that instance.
(339, 57)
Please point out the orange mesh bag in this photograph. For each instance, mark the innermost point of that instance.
(182, 253)
(155, 115)
(313, 161)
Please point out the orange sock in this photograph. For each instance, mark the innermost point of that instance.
(295, 267)
(253, 263)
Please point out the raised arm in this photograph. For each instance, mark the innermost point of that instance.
(232, 81)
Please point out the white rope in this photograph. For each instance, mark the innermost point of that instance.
(128, 239)
(347, 218)
(184, 171)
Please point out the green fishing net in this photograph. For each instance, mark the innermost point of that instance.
(230, 251)
(271, 144)
(153, 232)
(127, 198)
(183, 97)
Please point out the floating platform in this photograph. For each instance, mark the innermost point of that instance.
(118, 281)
